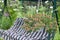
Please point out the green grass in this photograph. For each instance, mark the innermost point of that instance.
(57, 36)
(1, 38)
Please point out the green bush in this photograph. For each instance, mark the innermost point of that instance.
(36, 21)
(8, 18)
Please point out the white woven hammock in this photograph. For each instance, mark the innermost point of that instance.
(17, 33)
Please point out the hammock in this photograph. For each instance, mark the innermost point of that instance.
(18, 33)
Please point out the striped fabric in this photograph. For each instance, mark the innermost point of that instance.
(17, 33)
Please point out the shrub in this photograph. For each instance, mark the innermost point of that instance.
(36, 21)
(8, 18)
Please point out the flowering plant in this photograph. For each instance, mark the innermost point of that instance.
(36, 21)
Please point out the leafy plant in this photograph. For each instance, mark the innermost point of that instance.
(8, 18)
(36, 21)
(58, 9)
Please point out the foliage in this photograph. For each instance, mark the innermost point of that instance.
(57, 35)
(42, 9)
(36, 21)
(1, 38)
(30, 13)
(58, 9)
(1, 4)
(8, 18)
